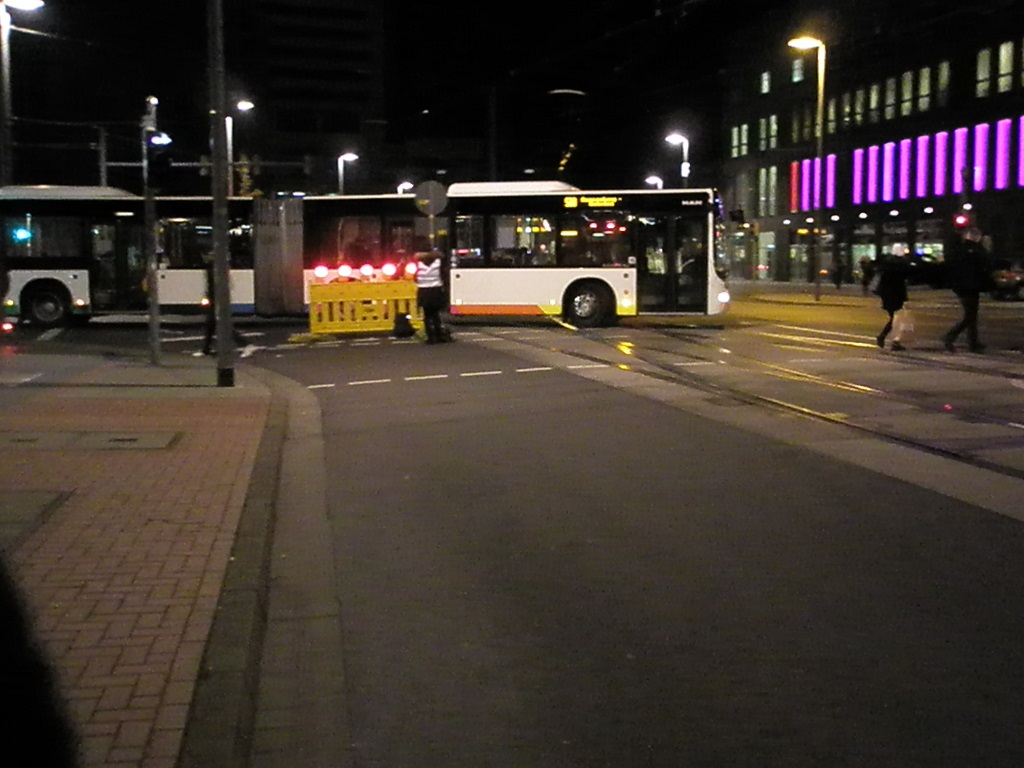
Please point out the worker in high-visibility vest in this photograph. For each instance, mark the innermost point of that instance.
(430, 295)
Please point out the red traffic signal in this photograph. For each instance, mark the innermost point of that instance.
(961, 220)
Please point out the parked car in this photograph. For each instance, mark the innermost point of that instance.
(1007, 279)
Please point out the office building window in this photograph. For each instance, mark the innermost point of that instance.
(983, 74)
(762, 134)
(808, 127)
(907, 94)
(766, 82)
(762, 192)
(859, 106)
(773, 132)
(795, 128)
(798, 70)
(734, 143)
(942, 78)
(924, 89)
(744, 139)
(875, 103)
(890, 98)
(773, 190)
(1004, 81)
(831, 115)
(847, 110)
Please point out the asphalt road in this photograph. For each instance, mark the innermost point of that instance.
(539, 568)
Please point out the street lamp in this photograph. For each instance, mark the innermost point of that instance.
(655, 181)
(405, 186)
(348, 157)
(678, 140)
(809, 43)
(7, 118)
(243, 106)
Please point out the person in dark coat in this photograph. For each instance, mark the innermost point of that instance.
(210, 311)
(34, 720)
(892, 290)
(968, 274)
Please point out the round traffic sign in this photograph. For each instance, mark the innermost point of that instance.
(431, 197)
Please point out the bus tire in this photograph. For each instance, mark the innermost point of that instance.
(46, 305)
(588, 304)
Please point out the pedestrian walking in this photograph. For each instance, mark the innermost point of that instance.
(210, 313)
(867, 274)
(430, 295)
(968, 274)
(892, 290)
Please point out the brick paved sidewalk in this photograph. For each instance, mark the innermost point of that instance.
(141, 474)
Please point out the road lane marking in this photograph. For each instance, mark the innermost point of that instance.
(321, 386)
(51, 334)
(694, 363)
(586, 366)
(534, 370)
(481, 373)
(430, 377)
(364, 382)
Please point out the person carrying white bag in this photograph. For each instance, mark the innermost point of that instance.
(892, 290)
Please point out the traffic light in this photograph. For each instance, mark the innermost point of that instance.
(961, 220)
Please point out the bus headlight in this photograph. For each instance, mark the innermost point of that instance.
(724, 297)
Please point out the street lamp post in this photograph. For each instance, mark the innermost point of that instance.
(678, 140)
(807, 43)
(348, 157)
(7, 118)
(243, 106)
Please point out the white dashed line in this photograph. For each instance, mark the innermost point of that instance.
(694, 363)
(51, 334)
(534, 370)
(587, 366)
(481, 373)
(321, 386)
(368, 381)
(431, 377)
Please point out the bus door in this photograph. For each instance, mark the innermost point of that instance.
(689, 263)
(117, 269)
(652, 268)
(671, 263)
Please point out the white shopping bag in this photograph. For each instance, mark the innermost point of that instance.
(903, 325)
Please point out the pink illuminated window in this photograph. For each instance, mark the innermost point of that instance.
(923, 145)
(817, 183)
(1003, 130)
(805, 185)
(1020, 153)
(959, 159)
(888, 174)
(830, 181)
(858, 176)
(981, 138)
(941, 163)
(873, 174)
(905, 149)
(794, 187)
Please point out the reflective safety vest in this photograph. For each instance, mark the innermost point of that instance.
(429, 275)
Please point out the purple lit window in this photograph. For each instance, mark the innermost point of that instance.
(941, 153)
(858, 175)
(905, 149)
(873, 174)
(888, 164)
(1003, 130)
(817, 183)
(959, 159)
(805, 185)
(1020, 153)
(981, 135)
(923, 143)
(830, 181)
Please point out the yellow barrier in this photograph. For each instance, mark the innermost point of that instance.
(356, 307)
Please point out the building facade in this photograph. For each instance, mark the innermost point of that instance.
(922, 120)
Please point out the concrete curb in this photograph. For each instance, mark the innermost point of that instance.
(221, 719)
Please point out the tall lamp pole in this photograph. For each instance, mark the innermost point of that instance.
(348, 157)
(807, 43)
(7, 118)
(678, 140)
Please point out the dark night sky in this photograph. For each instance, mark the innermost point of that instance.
(108, 55)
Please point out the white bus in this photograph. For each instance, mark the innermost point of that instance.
(515, 248)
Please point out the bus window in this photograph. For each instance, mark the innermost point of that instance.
(48, 237)
(523, 241)
(595, 240)
(468, 251)
(691, 262)
(399, 239)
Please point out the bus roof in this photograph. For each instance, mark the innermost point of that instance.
(62, 192)
(473, 188)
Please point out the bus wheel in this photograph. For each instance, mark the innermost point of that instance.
(47, 307)
(587, 305)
